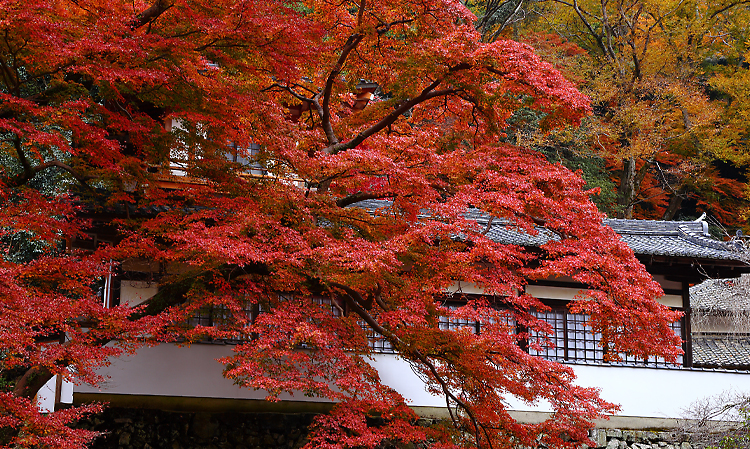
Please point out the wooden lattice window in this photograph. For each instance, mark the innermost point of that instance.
(572, 340)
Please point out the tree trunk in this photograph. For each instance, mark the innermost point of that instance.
(630, 184)
(32, 381)
(674, 205)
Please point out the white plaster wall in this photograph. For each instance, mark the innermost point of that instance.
(133, 293)
(658, 393)
(192, 371)
(645, 392)
(45, 398)
(468, 288)
(66, 392)
(670, 300)
(170, 370)
(563, 293)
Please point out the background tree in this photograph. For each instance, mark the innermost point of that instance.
(720, 421)
(660, 114)
(86, 89)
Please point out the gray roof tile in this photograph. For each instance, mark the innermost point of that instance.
(645, 237)
(674, 238)
(721, 351)
(721, 296)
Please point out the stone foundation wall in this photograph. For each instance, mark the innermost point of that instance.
(155, 429)
(638, 439)
(125, 428)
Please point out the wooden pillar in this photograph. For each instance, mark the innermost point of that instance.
(687, 328)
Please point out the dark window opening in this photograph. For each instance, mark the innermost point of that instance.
(573, 341)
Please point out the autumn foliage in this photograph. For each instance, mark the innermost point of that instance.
(666, 81)
(127, 110)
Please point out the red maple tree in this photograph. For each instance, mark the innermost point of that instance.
(86, 90)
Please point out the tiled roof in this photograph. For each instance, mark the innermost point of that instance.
(674, 238)
(653, 238)
(721, 351)
(721, 296)
(646, 237)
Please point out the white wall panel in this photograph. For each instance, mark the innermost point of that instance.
(45, 398)
(168, 370)
(133, 293)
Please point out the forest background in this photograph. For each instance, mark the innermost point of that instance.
(668, 81)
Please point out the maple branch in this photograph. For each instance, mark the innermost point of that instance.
(78, 176)
(449, 394)
(29, 172)
(8, 77)
(729, 6)
(32, 381)
(290, 91)
(489, 225)
(361, 13)
(379, 300)
(360, 196)
(385, 27)
(427, 93)
(207, 45)
(324, 110)
(150, 14)
(354, 299)
(334, 146)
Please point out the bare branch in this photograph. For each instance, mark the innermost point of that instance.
(582, 15)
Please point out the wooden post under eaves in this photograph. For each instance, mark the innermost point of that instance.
(687, 328)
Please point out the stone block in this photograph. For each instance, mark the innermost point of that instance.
(599, 437)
